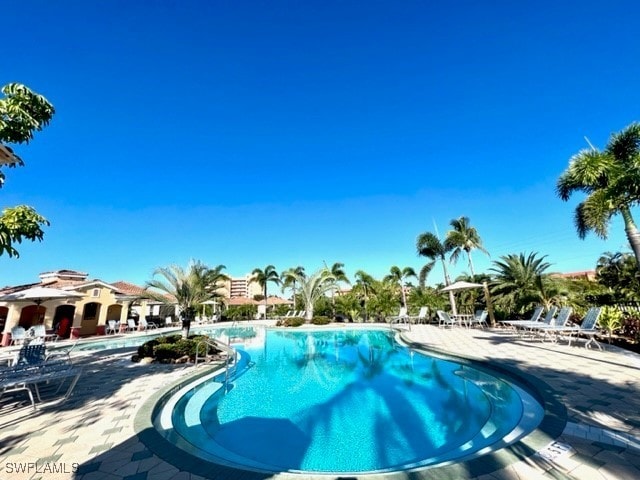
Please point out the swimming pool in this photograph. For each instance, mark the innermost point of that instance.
(348, 401)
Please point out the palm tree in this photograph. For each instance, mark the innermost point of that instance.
(187, 288)
(337, 270)
(288, 279)
(398, 277)
(430, 246)
(263, 277)
(314, 287)
(516, 280)
(364, 288)
(463, 237)
(611, 180)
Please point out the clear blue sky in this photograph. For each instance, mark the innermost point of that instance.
(292, 133)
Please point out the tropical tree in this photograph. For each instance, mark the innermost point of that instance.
(313, 287)
(465, 238)
(187, 288)
(288, 279)
(22, 112)
(337, 270)
(430, 246)
(611, 180)
(263, 277)
(618, 273)
(398, 277)
(364, 288)
(515, 280)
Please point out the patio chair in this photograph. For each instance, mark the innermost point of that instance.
(523, 327)
(421, 317)
(535, 317)
(445, 320)
(112, 327)
(23, 377)
(31, 354)
(479, 318)
(144, 325)
(18, 334)
(401, 317)
(547, 329)
(588, 327)
(131, 325)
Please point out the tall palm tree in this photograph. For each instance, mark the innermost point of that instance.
(516, 280)
(313, 287)
(187, 288)
(398, 277)
(337, 270)
(364, 288)
(611, 181)
(430, 246)
(465, 238)
(263, 277)
(289, 278)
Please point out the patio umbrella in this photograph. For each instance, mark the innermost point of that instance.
(38, 295)
(462, 285)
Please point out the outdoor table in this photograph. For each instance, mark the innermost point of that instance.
(463, 318)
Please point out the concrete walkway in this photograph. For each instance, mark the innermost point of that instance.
(91, 435)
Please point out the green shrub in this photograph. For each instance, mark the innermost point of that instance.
(610, 320)
(171, 347)
(320, 320)
(290, 322)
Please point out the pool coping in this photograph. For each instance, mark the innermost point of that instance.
(550, 428)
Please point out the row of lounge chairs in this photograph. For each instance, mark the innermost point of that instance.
(32, 367)
(114, 326)
(555, 327)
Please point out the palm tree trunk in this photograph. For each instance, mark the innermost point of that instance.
(471, 264)
(186, 325)
(294, 296)
(633, 235)
(447, 282)
(404, 295)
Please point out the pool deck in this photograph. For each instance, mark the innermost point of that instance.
(92, 435)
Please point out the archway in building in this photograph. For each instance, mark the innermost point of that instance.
(113, 312)
(63, 319)
(31, 315)
(90, 315)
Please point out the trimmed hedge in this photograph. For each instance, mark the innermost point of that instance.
(290, 322)
(321, 320)
(172, 347)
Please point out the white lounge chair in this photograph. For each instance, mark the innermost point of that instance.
(144, 325)
(18, 334)
(535, 317)
(588, 328)
(445, 320)
(421, 317)
(525, 326)
(112, 327)
(401, 317)
(131, 325)
(547, 330)
(479, 318)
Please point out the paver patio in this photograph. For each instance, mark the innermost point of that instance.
(92, 435)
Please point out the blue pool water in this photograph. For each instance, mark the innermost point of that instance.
(348, 401)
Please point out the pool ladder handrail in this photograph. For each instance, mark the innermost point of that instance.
(232, 354)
